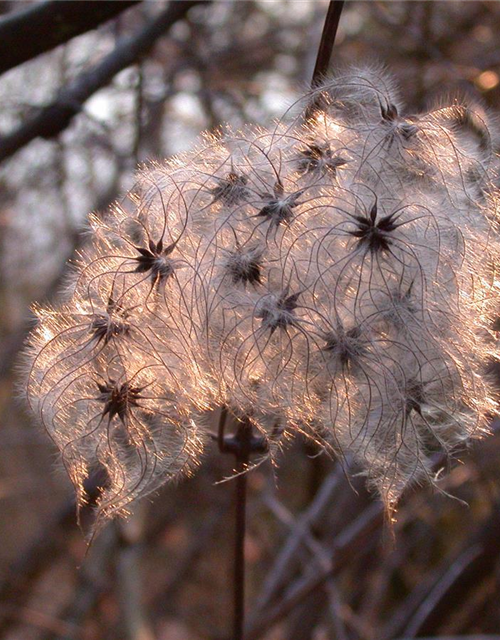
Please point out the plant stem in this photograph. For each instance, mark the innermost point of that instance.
(327, 41)
(243, 442)
(244, 435)
(241, 445)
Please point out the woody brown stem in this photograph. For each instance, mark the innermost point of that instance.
(327, 41)
(242, 444)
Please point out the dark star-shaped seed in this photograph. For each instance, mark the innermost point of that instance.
(373, 232)
(279, 207)
(109, 324)
(415, 397)
(318, 158)
(245, 267)
(346, 346)
(231, 189)
(155, 259)
(390, 114)
(118, 399)
(279, 314)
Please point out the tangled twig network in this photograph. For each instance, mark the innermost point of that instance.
(333, 275)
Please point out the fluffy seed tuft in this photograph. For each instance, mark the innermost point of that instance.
(333, 276)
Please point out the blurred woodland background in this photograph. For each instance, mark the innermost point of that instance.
(322, 563)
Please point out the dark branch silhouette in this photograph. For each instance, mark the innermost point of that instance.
(49, 121)
(327, 41)
(28, 33)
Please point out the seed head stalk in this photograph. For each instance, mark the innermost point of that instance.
(327, 41)
(243, 443)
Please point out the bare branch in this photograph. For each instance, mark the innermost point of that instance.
(42, 27)
(349, 543)
(442, 586)
(304, 523)
(321, 557)
(54, 118)
(327, 41)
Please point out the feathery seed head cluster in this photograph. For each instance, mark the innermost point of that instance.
(333, 275)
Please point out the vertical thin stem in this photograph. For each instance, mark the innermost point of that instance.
(239, 543)
(222, 428)
(241, 445)
(327, 41)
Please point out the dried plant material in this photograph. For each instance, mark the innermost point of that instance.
(333, 275)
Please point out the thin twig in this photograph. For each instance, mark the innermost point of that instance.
(303, 525)
(222, 429)
(442, 586)
(241, 445)
(327, 41)
(284, 515)
(324, 52)
(320, 555)
(239, 544)
(349, 543)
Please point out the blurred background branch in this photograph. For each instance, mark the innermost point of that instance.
(46, 25)
(54, 118)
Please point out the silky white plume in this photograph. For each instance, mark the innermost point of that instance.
(333, 275)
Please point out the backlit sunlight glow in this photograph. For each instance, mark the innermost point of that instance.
(332, 275)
